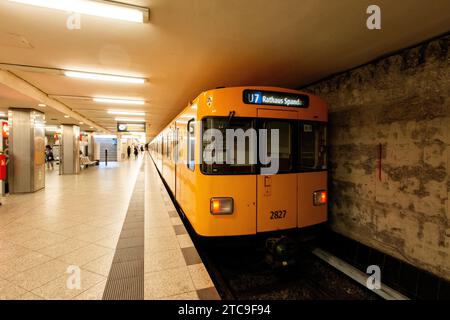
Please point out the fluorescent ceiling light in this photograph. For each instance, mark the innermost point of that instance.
(127, 113)
(138, 124)
(129, 120)
(102, 77)
(66, 116)
(81, 122)
(118, 101)
(42, 105)
(187, 116)
(94, 8)
(108, 136)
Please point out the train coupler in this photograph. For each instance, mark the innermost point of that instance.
(281, 252)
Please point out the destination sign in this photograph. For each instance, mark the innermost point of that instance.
(276, 98)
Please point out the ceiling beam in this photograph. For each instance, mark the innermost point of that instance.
(20, 85)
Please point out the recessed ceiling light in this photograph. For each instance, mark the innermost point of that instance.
(81, 122)
(94, 8)
(119, 101)
(127, 113)
(42, 105)
(129, 120)
(102, 77)
(91, 127)
(66, 116)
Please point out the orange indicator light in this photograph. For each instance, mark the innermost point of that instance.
(216, 206)
(320, 198)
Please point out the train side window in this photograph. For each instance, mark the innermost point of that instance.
(175, 145)
(169, 144)
(191, 145)
(166, 150)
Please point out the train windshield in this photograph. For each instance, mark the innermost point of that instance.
(228, 146)
(285, 129)
(232, 145)
(312, 137)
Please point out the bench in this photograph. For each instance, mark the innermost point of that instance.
(85, 162)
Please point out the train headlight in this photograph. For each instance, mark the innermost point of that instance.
(221, 206)
(320, 197)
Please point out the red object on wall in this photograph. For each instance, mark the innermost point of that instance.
(5, 129)
(2, 167)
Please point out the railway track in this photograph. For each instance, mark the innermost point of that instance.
(242, 274)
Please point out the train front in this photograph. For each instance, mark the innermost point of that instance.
(263, 164)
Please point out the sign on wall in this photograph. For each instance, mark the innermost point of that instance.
(130, 127)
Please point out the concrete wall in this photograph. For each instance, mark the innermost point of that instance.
(402, 103)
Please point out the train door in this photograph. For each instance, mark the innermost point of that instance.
(180, 166)
(277, 193)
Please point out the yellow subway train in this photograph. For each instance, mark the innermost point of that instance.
(247, 160)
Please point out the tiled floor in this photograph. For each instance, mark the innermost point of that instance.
(74, 221)
(70, 231)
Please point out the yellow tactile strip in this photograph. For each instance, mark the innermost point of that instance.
(126, 276)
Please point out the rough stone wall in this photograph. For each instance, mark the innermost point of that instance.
(401, 103)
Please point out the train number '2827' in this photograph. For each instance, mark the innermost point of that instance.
(278, 214)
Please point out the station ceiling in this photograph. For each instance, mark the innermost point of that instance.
(191, 46)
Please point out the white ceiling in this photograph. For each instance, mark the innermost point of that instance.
(11, 98)
(189, 46)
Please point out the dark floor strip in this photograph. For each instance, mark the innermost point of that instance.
(208, 294)
(126, 277)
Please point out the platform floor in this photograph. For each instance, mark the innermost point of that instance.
(107, 233)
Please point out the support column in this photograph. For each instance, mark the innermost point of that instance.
(91, 147)
(27, 150)
(121, 152)
(70, 150)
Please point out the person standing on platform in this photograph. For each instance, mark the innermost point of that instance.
(128, 152)
(136, 152)
(49, 157)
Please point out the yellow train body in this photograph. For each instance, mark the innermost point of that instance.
(257, 198)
